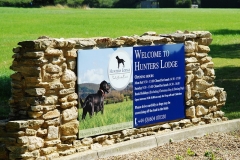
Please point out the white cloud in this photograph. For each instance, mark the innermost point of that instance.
(93, 76)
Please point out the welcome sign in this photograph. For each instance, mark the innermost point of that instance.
(129, 87)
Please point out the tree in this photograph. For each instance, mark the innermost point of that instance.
(126, 3)
(167, 3)
(91, 3)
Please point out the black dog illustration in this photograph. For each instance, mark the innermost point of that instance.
(120, 61)
(95, 102)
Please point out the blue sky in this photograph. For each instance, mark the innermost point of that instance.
(93, 64)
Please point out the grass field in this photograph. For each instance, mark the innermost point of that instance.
(19, 24)
(113, 114)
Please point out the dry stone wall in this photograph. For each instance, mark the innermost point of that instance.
(43, 120)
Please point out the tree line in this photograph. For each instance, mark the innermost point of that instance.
(122, 3)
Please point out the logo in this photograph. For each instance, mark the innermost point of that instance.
(119, 70)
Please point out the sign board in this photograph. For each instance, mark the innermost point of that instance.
(146, 87)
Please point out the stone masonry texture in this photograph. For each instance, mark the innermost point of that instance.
(43, 121)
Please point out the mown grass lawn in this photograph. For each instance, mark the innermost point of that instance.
(19, 24)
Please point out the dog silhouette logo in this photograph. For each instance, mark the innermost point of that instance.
(119, 61)
(119, 69)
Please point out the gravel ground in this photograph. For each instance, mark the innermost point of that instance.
(215, 146)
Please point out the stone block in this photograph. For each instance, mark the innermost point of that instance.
(68, 139)
(37, 108)
(190, 112)
(27, 71)
(68, 104)
(72, 53)
(85, 43)
(52, 143)
(48, 150)
(87, 141)
(35, 143)
(82, 148)
(67, 152)
(218, 114)
(16, 125)
(95, 146)
(49, 107)
(202, 34)
(30, 132)
(191, 60)
(103, 42)
(192, 66)
(53, 52)
(68, 76)
(54, 122)
(201, 110)
(17, 149)
(77, 143)
(207, 65)
(42, 132)
(189, 46)
(70, 128)
(201, 55)
(69, 84)
(53, 132)
(204, 41)
(117, 43)
(100, 138)
(203, 49)
(51, 100)
(70, 114)
(23, 140)
(35, 91)
(52, 156)
(165, 126)
(202, 85)
(64, 146)
(188, 93)
(51, 114)
(199, 73)
(50, 68)
(222, 96)
(33, 114)
(16, 76)
(129, 41)
(66, 91)
(71, 64)
(33, 54)
(56, 85)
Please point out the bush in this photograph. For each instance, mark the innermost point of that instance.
(74, 3)
(184, 4)
(91, 3)
(167, 3)
(126, 3)
(220, 3)
(15, 3)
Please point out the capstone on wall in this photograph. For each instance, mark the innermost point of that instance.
(44, 105)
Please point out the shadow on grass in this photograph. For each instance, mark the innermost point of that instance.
(5, 94)
(229, 79)
(225, 32)
(225, 51)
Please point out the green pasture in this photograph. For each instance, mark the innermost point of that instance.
(113, 114)
(20, 24)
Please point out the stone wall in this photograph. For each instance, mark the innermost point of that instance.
(44, 108)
